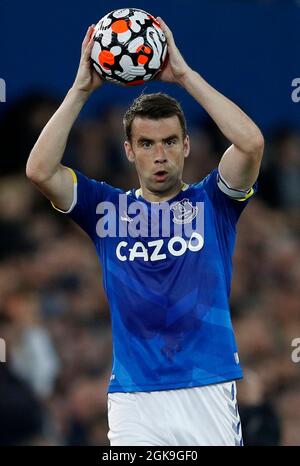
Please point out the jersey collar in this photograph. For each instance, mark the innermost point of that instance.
(138, 192)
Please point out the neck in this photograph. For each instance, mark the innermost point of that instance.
(153, 196)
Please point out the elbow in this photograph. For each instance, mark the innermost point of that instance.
(31, 172)
(256, 145)
(259, 143)
(34, 173)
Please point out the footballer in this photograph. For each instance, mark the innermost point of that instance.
(175, 359)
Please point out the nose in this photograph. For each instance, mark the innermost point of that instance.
(160, 156)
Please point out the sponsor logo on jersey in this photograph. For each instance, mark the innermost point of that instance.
(157, 250)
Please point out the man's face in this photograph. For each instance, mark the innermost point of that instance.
(158, 150)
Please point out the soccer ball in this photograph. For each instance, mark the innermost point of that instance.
(129, 47)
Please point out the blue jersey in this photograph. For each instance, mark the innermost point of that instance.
(168, 294)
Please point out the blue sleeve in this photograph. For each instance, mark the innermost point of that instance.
(88, 193)
(225, 205)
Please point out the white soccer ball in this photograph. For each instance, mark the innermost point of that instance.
(129, 47)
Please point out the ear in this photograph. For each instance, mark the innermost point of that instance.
(186, 146)
(129, 152)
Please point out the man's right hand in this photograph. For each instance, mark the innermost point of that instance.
(87, 79)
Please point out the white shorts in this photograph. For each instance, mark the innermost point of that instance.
(185, 417)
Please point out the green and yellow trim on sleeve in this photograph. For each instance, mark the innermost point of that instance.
(249, 194)
(75, 182)
(236, 194)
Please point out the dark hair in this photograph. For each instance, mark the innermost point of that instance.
(153, 106)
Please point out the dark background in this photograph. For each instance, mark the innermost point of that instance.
(246, 48)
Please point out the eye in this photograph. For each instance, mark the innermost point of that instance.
(146, 144)
(170, 142)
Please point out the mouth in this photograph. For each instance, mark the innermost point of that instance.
(160, 176)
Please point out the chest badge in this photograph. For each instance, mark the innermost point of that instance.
(183, 212)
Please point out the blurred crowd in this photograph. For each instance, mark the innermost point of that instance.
(54, 316)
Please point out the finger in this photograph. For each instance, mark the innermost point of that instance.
(88, 50)
(93, 31)
(164, 27)
(87, 37)
(89, 45)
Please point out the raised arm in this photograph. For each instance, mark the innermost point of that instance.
(239, 165)
(44, 166)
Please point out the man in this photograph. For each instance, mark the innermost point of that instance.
(175, 357)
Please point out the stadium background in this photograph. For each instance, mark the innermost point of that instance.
(53, 313)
